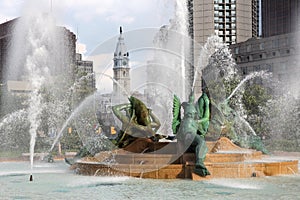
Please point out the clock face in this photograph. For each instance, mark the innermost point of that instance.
(124, 62)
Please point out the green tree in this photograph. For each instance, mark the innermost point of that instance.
(254, 99)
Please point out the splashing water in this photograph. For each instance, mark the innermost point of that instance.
(247, 124)
(37, 71)
(248, 77)
(182, 27)
(65, 125)
(38, 55)
(118, 84)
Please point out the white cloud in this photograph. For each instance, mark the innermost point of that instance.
(102, 64)
(111, 10)
(120, 19)
(9, 9)
(81, 48)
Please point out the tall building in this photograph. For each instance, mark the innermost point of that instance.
(85, 72)
(63, 55)
(5, 39)
(121, 67)
(234, 21)
(280, 17)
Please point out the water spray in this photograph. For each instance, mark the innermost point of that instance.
(248, 77)
(115, 81)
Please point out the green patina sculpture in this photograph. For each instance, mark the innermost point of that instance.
(192, 128)
(137, 122)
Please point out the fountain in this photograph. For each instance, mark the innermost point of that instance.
(167, 159)
(40, 60)
(155, 83)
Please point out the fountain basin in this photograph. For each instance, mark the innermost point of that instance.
(224, 160)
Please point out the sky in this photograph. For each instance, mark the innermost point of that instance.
(95, 21)
(96, 24)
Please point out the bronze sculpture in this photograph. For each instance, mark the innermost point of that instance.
(192, 128)
(139, 127)
(138, 121)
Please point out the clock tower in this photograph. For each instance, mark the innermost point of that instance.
(121, 68)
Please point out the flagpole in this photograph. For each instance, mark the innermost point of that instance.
(51, 6)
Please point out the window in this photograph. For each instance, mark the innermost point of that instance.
(244, 70)
(283, 65)
(261, 46)
(236, 50)
(249, 48)
(275, 43)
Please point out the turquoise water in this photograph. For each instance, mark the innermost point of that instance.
(55, 181)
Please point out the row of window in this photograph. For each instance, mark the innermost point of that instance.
(273, 44)
(82, 63)
(86, 69)
(227, 13)
(224, 7)
(224, 1)
(263, 55)
(223, 19)
(227, 32)
(224, 26)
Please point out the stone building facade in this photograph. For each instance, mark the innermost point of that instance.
(85, 71)
(277, 54)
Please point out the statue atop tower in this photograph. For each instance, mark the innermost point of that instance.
(121, 67)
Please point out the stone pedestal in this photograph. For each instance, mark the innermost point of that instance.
(224, 160)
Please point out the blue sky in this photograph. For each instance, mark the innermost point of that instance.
(95, 21)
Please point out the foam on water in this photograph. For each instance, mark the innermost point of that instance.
(235, 183)
(96, 180)
(56, 185)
